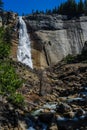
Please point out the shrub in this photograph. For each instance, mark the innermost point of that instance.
(9, 83)
(16, 99)
(5, 42)
(9, 80)
(69, 58)
(4, 50)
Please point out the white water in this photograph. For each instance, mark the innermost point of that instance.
(24, 49)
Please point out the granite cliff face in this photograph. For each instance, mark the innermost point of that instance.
(54, 36)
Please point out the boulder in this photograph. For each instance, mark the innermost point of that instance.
(63, 108)
(46, 118)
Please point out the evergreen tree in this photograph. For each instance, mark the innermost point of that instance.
(36, 12)
(85, 7)
(68, 8)
(55, 10)
(1, 5)
(41, 12)
(60, 9)
(8, 35)
(48, 11)
(73, 8)
(32, 11)
(80, 7)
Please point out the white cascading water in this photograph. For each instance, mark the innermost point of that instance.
(24, 49)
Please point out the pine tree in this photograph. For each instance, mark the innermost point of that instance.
(68, 8)
(55, 10)
(60, 9)
(1, 5)
(48, 11)
(80, 7)
(71, 7)
(36, 12)
(85, 7)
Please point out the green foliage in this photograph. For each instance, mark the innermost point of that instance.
(4, 50)
(69, 59)
(70, 8)
(55, 10)
(5, 34)
(80, 7)
(8, 35)
(37, 12)
(1, 34)
(1, 5)
(5, 42)
(85, 7)
(16, 99)
(9, 80)
(76, 59)
(9, 83)
(48, 11)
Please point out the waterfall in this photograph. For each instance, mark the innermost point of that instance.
(24, 49)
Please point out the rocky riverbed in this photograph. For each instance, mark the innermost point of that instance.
(55, 99)
(64, 98)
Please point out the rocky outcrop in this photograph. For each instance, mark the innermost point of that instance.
(57, 36)
(54, 98)
(65, 106)
(45, 22)
(8, 18)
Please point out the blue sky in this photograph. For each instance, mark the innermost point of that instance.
(26, 6)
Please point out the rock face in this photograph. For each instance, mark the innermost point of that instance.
(55, 36)
(8, 18)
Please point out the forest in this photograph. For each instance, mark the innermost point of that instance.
(70, 8)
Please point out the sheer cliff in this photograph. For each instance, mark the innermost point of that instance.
(54, 36)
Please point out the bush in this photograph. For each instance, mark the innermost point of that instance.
(9, 83)
(9, 80)
(5, 42)
(16, 99)
(69, 59)
(8, 35)
(2, 34)
(4, 50)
